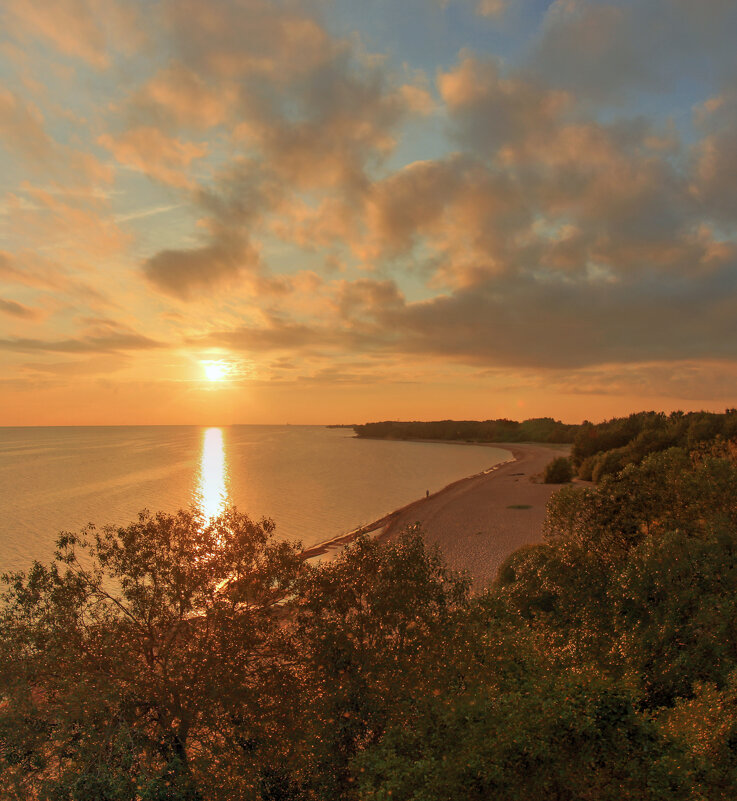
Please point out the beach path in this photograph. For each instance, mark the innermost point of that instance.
(479, 521)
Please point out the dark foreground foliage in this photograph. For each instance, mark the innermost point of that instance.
(178, 659)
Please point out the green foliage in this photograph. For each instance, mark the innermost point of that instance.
(676, 603)
(558, 471)
(569, 736)
(374, 626)
(604, 449)
(705, 725)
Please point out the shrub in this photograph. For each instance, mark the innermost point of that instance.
(609, 463)
(558, 471)
(585, 470)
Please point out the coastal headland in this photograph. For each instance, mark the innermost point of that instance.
(477, 522)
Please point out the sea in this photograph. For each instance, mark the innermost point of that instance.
(314, 482)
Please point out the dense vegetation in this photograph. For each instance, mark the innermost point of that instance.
(605, 448)
(179, 659)
(539, 429)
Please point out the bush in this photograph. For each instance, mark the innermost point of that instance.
(559, 471)
(609, 463)
(586, 469)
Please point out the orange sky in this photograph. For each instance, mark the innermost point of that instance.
(346, 212)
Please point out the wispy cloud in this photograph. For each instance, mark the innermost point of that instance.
(151, 211)
(15, 309)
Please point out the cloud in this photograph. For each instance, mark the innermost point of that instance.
(366, 297)
(74, 229)
(466, 211)
(715, 156)
(23, 133)
(234, 207)
(317, 108)
(684, 380)
(278, 335)
(491, 8)
(178, 97)
(84, 29)
(110, 343)
(484, 8)
(309, 115)
(15, 309)
(8, 271)
(96, 365)
(183, 272)
(22, 129)
(605, 51)
(150, 211)
(491, 109)
(152, 152)
(538, 321)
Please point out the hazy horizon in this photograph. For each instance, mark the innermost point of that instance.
(329, 423)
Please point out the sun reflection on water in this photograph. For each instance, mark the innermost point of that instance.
(212, 495)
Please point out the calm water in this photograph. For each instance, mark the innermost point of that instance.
(314, 482)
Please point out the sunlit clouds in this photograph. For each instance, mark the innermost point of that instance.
(252, 211)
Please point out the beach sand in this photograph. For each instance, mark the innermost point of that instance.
(474, 521)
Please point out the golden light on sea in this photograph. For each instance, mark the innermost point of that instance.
(212, 495)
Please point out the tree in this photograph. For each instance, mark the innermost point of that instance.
(572, 735)
(676, 613)
(558, 471)
(377, 627)
(147, 660)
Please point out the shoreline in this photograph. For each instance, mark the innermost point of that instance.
(477, 520)
(385, 522)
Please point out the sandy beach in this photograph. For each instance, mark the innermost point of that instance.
(477, 521)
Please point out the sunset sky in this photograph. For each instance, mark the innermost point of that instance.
(237, 211)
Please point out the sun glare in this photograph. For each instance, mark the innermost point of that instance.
(211, 494)
(215, 371)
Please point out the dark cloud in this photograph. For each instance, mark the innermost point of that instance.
(110, 343)
(278, 335)
(541, 321)
(491, 108)
(606, 50)
(183, 273)
(18, 310)
(357, 299)
(715, 156)
(691, 381)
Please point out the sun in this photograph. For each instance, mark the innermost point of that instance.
(215, 371)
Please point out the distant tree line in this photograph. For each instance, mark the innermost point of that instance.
(539, 429)
(180, 659)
